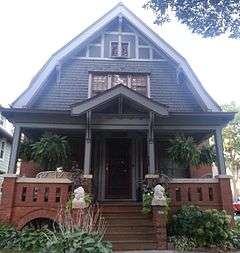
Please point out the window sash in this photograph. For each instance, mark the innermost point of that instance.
(102, 82)
(118, 49)
(2, 150)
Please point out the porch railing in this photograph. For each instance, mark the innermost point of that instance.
(205, 193)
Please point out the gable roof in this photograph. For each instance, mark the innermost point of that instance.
(110, 94)
(41, 77)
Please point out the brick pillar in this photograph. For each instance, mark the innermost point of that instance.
(160, 225)
(87, 183)
(8, 197)
(226, 193)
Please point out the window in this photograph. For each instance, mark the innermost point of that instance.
(102, 82)
(99, 83)
(2, 120)
(2, 149)
(123, 51)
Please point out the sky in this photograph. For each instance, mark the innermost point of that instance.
(31, 31)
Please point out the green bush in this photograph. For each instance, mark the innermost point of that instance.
(183, 243)
(43, 241)
(76, 241)
(208, 228)
(147, 202)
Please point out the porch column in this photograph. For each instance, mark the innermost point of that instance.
(219, 151)
(151, 151)
(88, 144)
(14, 150)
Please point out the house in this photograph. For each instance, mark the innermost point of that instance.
(120, 93)
(5, 145)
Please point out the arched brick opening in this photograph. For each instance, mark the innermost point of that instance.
(39, 214)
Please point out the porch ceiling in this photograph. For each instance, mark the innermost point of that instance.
(118, 91)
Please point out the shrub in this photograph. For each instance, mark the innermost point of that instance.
(147, 202)
(183, 243)
(208, 228)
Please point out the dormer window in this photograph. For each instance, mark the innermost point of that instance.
(119, 49)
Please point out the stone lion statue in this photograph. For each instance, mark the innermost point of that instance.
(159, 198)
(79, 198)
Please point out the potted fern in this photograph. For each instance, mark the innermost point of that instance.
(184, 151)
(51, 151)
(28, 167)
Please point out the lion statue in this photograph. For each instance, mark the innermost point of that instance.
(159, 198)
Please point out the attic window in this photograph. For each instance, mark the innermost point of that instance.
(119, 49)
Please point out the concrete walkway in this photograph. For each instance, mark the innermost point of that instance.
(162, 251)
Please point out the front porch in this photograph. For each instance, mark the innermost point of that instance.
(119, 140)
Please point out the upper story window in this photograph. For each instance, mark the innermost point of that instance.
(102, 81)
(2, 149)
(119, 49)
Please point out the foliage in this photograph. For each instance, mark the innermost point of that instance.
(82, 232)
(208, 18)
(231, 143)
(147, 202)
(25, 240)
(184, 151)
(207, 228)
(25, 150)
(51, 151)
(183, 243)
(76, 241)
(207, 155)
(88, 198)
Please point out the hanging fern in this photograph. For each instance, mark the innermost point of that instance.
(207, 155)
(183, 151)
(51, 151)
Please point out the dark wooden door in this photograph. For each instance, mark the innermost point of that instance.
(118, 169)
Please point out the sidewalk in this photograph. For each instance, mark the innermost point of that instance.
(163, 251)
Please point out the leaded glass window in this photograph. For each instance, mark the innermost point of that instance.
(99, 83)
(123, 52)
(102, 82)
(139, 83)
(114, 49)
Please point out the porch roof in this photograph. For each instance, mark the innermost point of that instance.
(118, 91)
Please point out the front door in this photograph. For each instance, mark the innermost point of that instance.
(118, 176)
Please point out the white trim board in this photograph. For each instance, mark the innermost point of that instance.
(118, 10)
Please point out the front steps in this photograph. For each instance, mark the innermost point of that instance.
(128, 228)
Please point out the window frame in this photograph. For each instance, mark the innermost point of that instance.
(2, 149)
(2, 120)
(119, 43)
(110, 80)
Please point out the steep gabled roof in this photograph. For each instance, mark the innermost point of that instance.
(110, 94)
(41, 77)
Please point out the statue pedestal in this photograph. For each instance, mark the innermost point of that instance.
(160, 225)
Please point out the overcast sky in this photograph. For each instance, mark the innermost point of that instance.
(31, 31)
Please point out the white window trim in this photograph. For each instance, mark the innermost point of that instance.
(4, 150)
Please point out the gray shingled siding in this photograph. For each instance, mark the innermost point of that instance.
(5, 161)
(74, 83)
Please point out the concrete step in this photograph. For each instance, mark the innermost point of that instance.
(129, 236)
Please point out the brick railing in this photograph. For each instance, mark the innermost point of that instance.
(203, 192)
(24, 199)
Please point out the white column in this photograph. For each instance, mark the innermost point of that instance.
(14, 150)
(88, 144)
(151, 150)
(219, 152)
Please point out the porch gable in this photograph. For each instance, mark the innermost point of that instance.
(118, 91)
